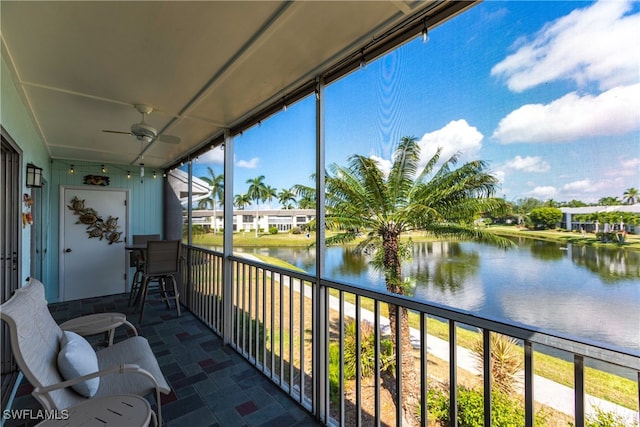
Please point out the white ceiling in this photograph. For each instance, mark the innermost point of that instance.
(203, 66)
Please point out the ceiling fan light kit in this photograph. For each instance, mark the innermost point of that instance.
(144, 132)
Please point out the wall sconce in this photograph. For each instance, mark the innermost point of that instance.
(34, 175)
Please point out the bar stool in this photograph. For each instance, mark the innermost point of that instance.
(136, 259)
(161, 264)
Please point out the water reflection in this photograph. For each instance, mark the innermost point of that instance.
(593, 293)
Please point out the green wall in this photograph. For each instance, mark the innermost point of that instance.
(16, 120)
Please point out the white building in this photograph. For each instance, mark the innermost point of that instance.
(568, 223)
(245, 220)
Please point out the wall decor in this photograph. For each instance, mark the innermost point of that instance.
(96, 180)
(96, 226)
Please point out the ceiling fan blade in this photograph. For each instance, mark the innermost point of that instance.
(116, 131)
(169, 139)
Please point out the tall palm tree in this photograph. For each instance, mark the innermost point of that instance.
(444, 202)
(241, 201)
(286, 198)
(270, 193)
(216, 182)
(257, 192)
(630, 196)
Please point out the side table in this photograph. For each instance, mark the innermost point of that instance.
(93, 324)
(109, 411)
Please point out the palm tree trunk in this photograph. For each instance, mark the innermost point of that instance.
(257, 219)
(215, 220)
(410, 392)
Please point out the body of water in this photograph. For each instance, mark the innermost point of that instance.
(593, 293)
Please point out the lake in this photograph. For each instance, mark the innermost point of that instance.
(587, 292)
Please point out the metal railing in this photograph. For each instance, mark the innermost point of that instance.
(272, 328)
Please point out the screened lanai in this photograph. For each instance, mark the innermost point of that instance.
(182, 105)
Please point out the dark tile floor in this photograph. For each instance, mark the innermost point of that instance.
(211, 384)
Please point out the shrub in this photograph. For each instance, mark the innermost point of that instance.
(367, 357)
(367, 351)
(505, 410)
(545, 218)
(273, 230)
(603, 418)
(506, 360)
(296, 230)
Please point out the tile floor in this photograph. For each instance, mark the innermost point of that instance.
(211, 384)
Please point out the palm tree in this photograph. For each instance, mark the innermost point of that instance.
(631, 196)
(306, 194)
(241, 201)
(361, 199)
(216, 182)
(608, 201)
(257, 192)
(270, 193)
(286, 198)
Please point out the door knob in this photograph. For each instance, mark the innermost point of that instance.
(68, 250)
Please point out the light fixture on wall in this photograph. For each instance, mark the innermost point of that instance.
(363, 62)
(103, 169)
(34, 175)
(128, 174)
(71, 170)
(155, 175)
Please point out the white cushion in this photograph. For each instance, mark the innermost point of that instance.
(77, 358)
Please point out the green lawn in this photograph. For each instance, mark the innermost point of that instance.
(632, 241)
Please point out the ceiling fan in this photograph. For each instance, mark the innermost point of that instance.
(145, 132)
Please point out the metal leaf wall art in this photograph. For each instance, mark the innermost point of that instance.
(96, 226)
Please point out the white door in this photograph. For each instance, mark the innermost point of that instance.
(93, 255)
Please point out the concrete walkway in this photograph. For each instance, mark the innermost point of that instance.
(546, 392)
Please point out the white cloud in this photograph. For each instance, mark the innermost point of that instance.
(597, 44)
(215, 156)
(248, 164)
(384, 164)
(456, 136)
(543, 192)
(632, 164)
(528, 164)
(584, 185)
(571, 117)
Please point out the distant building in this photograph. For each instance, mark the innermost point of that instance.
(568, 222)
(245, 220)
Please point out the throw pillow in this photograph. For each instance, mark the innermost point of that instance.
(77, 358)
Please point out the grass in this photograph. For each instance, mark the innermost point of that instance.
(632, 241)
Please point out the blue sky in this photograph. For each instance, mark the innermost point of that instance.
(547, 92)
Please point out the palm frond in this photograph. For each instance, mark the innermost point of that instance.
(403, 171)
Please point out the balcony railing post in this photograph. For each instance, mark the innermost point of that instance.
(453, 375)
(486, 373)
(528, 385)
(578, 363)
(320, 293)
(227, 264)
